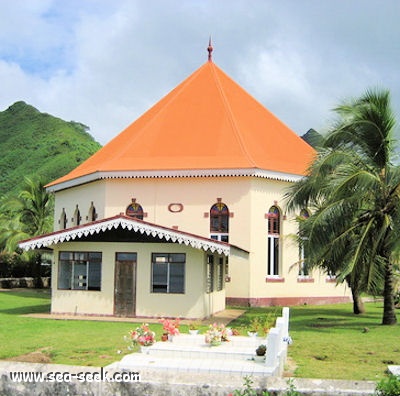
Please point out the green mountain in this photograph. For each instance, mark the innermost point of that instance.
(313, 138)
(37, 144)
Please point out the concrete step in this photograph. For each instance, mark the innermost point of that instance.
(194, 347)
(234, 341)
(201, 352)
(138, 361)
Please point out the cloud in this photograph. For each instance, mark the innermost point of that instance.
(103, 63)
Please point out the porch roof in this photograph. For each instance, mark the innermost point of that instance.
(139, 227)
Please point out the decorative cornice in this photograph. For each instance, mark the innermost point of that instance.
(252, 172)
(135, 225)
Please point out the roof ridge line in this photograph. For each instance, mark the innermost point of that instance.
(176, 173)
(232, 118)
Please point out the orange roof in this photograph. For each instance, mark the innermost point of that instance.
(207, 122)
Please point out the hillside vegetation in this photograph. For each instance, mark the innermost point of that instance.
(38, 144)
(313, 138)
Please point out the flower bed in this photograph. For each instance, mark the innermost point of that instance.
(142, 336)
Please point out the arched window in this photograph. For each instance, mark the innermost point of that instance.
(274, 227)
(303, 268)
(92, 215)
(63, 220)
(274, 220)
(134, 210)
(219, 221)
(77, 217)
(304, 214)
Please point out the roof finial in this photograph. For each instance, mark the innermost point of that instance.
(210, 50)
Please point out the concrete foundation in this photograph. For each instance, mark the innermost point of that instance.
(165, 383)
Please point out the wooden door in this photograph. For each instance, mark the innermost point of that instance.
(125, 285)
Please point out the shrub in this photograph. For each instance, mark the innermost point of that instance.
(261, 349)
(248, 389)
(397, 299)
(389, 386)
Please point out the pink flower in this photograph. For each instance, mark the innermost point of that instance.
(142, 335)
(170, 327)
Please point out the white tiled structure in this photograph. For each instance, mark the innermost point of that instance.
(190, 353)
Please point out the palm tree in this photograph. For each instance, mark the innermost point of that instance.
(25, 216)
(354, 189)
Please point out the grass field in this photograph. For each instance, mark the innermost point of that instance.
(68, 342)
(329, 341)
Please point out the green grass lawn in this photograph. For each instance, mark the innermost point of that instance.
(332, 342)
(328, 341)
(88, 343)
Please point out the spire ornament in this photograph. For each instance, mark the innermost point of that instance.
(210, 50)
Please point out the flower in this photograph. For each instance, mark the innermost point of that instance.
(217, 333)
(235, 332)
(170, 326)
(142, 336)
(194, 326)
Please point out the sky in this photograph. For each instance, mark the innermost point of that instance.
(105, 62)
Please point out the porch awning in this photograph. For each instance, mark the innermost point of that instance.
(136, 226)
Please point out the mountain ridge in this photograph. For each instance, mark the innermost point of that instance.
(39, 144)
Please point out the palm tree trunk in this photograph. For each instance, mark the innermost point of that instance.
(37, 279)
(389, 311)
(358, 304)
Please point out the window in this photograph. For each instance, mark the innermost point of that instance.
(92, 215)
(63, 220)
(168, 272)
(126, 257)
(331, 275)
(134, 210)
(273, 220)
(220, 274)
(219, 222)
(210, 273)
(79, 270)
(273, 241)
(303, 268)
(77, 217)
(227, 276)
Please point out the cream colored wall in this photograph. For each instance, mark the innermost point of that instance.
(264, 195)
(249, 199)
(80, 301)
(248, 281)
(197, 195)
(239, 273)
(81, 196)
(194, 303)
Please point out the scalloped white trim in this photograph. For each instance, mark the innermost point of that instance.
(132, 225)
(266, 174)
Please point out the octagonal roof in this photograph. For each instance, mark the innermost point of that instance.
(207, 123)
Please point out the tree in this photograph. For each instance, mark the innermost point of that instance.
(354, 190)
(25, 216)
